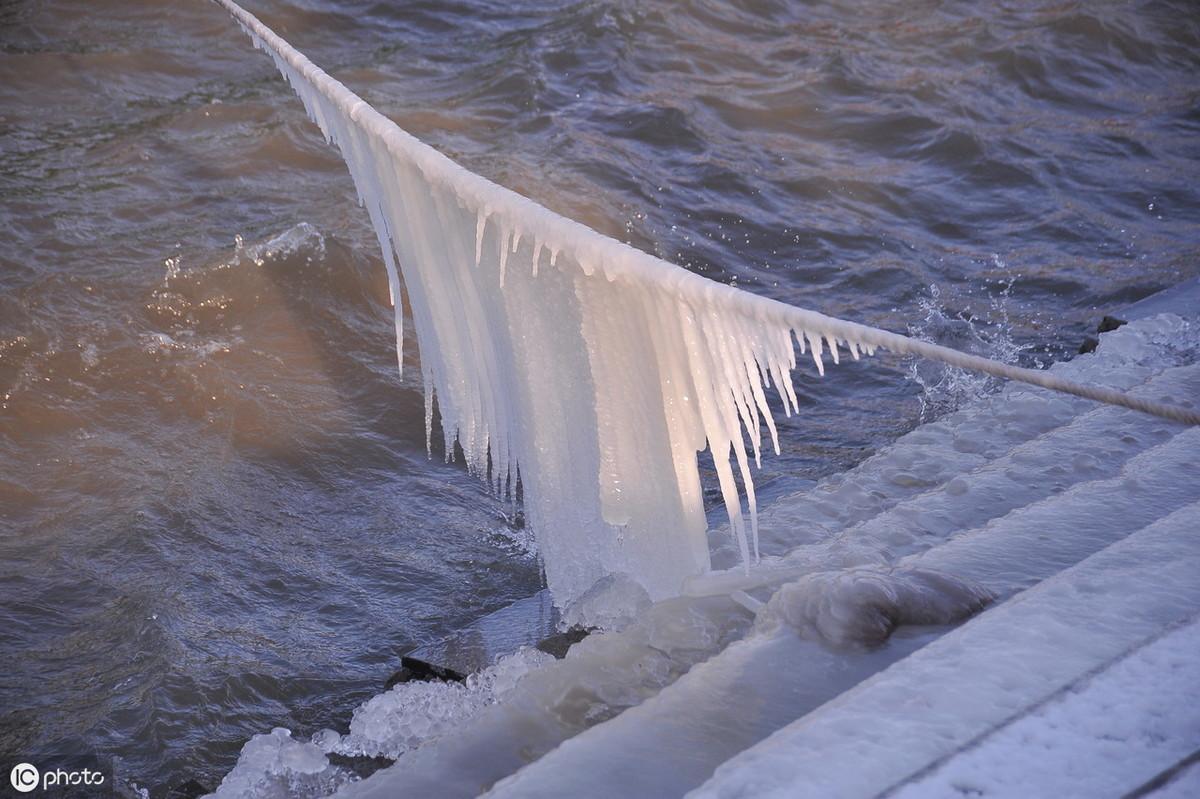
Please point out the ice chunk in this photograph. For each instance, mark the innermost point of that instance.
(415, 713)
(276, 766)
(861, 607)
(611, 604)
(602, 677)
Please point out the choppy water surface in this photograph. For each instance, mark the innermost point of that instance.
(216, 511)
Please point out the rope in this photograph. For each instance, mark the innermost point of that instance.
(1035, 377)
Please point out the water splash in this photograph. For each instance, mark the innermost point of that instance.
(945, 388)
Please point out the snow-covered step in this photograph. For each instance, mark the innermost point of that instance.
(1180, 783)
(932, 456)
(1106, 736)
(673, 741)
(1029, 544)
(1092, 446)
(925, 458)
(1114, 495)
(980, 677)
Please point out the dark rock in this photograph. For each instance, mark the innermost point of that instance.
(416, 669)
(1089, 345)
(1109, 323)
(192, 789)
(360, 766)
(558, 644)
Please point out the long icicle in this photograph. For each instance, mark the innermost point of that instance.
(600, 377)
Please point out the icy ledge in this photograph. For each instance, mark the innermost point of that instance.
(990, 500)
(1123, 727)
(975, 680)
(591, 370)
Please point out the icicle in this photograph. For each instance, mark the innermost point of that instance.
(814, 345)
(833, 347)
(504, 235)
(480, 224)
(537, 256)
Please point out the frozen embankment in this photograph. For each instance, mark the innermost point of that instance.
(842, 665)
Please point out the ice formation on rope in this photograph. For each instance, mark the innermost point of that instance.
(592, 371)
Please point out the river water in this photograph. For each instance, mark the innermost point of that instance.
(217, 514)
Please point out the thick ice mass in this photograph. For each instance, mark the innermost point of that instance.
(276, 766)
(861, 607)
(591, 371)
(415, 713)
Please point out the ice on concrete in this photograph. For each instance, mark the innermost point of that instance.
(1104, 736)
(925, 708)
(857, 608)
(671, 691)
(416, 713)
(601, 678)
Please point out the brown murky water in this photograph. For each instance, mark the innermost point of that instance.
(216, 511)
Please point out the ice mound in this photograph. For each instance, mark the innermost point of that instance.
(601, 677)
(861, 607)
(611, 604)
(415, 713)
(276, 766)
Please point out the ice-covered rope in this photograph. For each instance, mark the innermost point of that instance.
(594, 369)
(431, 160)
(1036, 377)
